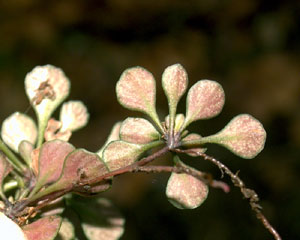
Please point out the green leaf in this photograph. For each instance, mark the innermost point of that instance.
(16, 128)
(10, 230)
(136, 90)
(100, 219)
(113, 136)
(205, 100)
(243, 135)
(174, 83)
(138, 130)
(43, 229)
(46, 87)
(4, 168)
(25, 150)
(179, 120)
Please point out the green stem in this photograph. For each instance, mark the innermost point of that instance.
(10, 185)
(12, 159)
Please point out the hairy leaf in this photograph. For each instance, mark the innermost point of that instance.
(174, 82)
(205, 100)
(179, 120)
(136, 90)
(25, 150)
(46, 86)
(119, 154)
(100, 219)
(244, 135)
(66, 231)
(16, 128)
(4, 168)
(43, 229)
(51, 160)
(80, 165)
(185, 191)
(73, 116)
(138, 130)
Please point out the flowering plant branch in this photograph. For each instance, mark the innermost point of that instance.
(46, 168)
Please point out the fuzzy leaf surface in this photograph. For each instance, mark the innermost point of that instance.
(100, 219)
(119, 154)
(51, 160)
(138, 130)
(185, 191)
(43, 229)
(174, 83)
(243, 135)
(205, 100)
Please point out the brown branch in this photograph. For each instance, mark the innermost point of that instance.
(248, 193)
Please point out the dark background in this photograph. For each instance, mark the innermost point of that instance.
(251, 47)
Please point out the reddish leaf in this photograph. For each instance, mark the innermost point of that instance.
(119, 154)
(138, 130)
(205, 100)
(136, 90)
(244, 135)
(51, 160)
(43, 229)
(80, 165)
(174, 82)
(185, 191)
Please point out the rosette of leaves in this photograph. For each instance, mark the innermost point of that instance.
(38, 166)
(136, 90)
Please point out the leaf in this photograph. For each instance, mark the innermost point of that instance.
(25, 150)
(80, 165)
(185, 191)
(51, 161)
(113, 136)
(46, 87)
(10, 230)
(174, 83)
(16, 128)
(100, 219)
(138, 130)
(120, 154)
(205, 100)
(179, 120)
(73, 116)
(243, 135)
(136, 90)
(43, 229)
(5, 168)
(66, 231)
(190, 137)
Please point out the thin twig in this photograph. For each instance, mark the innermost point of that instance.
(204, 177)
(248, 193)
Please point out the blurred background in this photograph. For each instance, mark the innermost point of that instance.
(251, 47)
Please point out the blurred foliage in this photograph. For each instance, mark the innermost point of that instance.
(251, 47)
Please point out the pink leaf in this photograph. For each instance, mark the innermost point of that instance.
(119, 154)
(80, 165)
(244, 135)
(138, 130)
(51, 159)
(174, 82)
(136, 90)
(205, 100)
(185, 191)
(43, 229)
